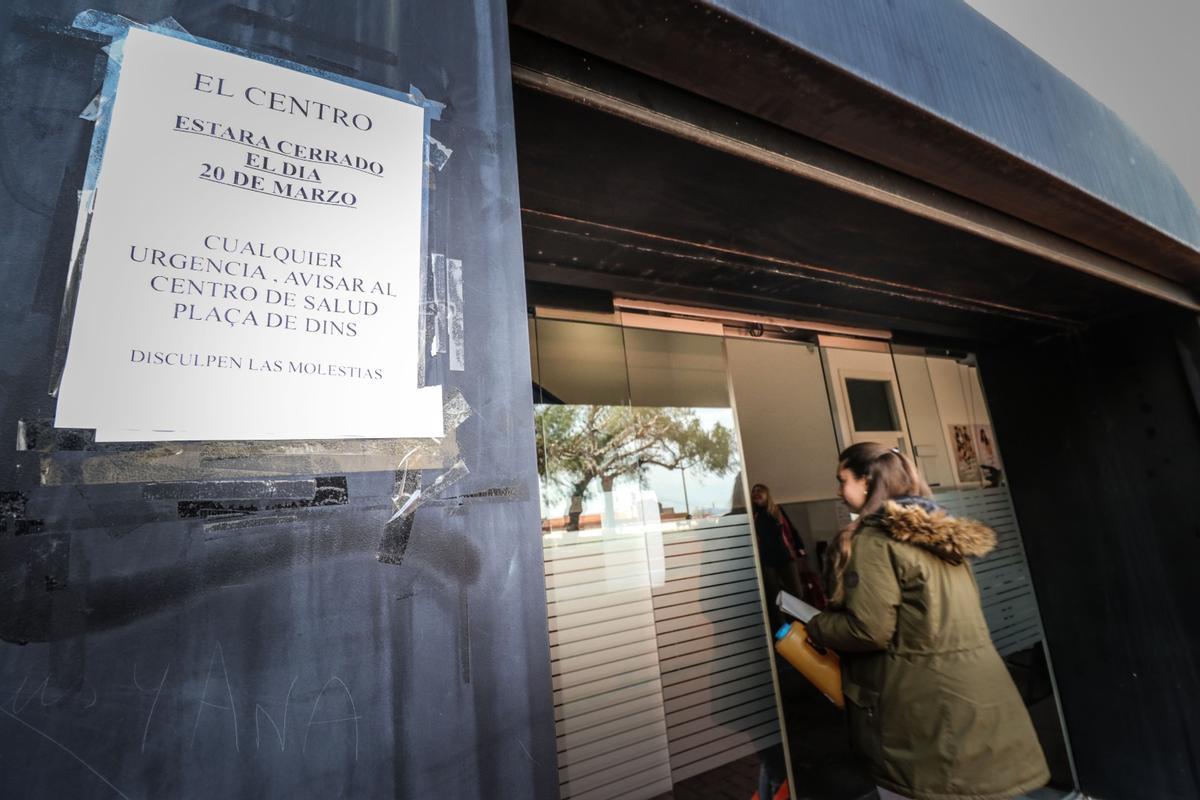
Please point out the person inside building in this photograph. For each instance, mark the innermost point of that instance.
(932, 708)
(781, 553)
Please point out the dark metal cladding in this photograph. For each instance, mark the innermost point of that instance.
(678, 221)
(1104, 459)
(234, 631)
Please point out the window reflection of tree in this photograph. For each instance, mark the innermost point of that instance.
(579, 446)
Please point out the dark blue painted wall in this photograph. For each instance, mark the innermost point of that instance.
(150, 654)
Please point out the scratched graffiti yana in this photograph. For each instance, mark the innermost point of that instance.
(187, 709)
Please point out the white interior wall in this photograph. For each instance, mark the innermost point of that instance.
(783, 418)
(670, 369)
(581, 363)
(924, 423)
(593, 364)
(959, 396)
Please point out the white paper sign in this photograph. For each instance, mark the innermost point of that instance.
(252, 264)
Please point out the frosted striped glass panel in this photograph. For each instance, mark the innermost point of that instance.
(1009, 604)
(608, 699)
(712, 647)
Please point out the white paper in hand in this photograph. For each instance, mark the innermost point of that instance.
(795, 607)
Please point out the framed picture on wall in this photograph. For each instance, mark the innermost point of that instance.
(989, 459)
(966, 461)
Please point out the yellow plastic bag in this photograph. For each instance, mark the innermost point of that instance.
(822, 667)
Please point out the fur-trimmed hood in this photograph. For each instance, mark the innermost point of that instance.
(923, 523)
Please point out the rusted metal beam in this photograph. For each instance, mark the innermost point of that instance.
(815, 162)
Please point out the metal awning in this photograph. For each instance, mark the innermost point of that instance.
(926, 91)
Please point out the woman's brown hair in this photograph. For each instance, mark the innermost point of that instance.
(889, 474)
(771, 506)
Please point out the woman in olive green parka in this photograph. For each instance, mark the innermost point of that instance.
(931, 705)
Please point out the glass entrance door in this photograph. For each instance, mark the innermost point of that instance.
(662, 674)
(799, 403)
(661, 576)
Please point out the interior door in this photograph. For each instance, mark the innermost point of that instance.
(864, 393)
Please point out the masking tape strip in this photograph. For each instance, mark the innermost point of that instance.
(189, 461)
(13, 518)
(92, 110)
(407, 498)
(423, 315)
(408, 486)
(407, 495)
(228, 526)
(325, 494)
(433, 111)
(456, 505)
(297, 489)
(464, 635)
(104, 106)
(398, 530)
(515, 491)
(73, 456)
(436, 307)
(116, 26)
(104, 23)
(395, 541)
(66, 317)
(408, 505)
(204, 502)
(455, 410)
(437, 154)
(455, 320)
(169, 23)
(40, 435)
(433, 107)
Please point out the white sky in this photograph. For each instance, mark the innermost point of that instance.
(1138, 58)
